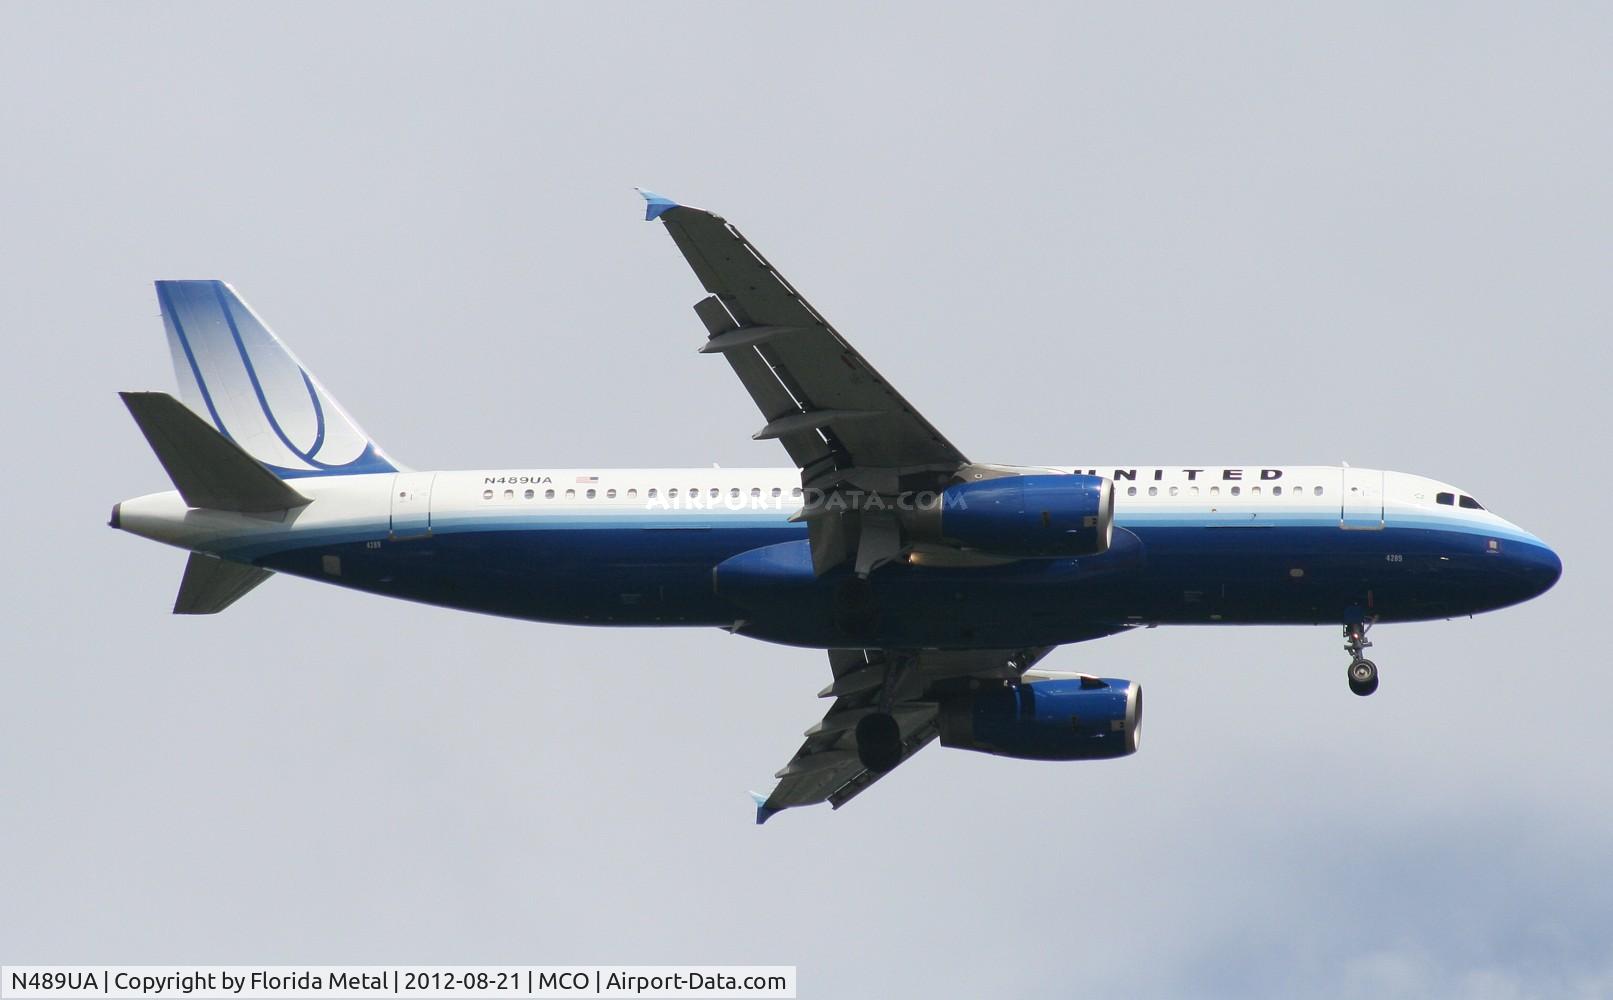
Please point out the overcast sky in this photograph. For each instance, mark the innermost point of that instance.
(1137, 234)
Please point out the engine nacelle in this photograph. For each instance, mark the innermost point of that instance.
(1024, 516)
(1085, 719)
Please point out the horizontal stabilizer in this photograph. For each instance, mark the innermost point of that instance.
(208, 469)
(211, 584)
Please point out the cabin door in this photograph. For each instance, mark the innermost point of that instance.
(411, 505)
(1362, 506)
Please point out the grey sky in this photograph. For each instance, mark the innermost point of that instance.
(1136, 234)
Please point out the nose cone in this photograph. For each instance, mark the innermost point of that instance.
(1534, 567)
(1545, 567)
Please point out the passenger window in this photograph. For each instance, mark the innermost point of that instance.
(487, 494)
(610, 494)
(777, 492)
(1131, 491)
(529, 495)
(672, 494)
(795, 492)
(571, 494)
(592, 493)
(548, 494)
(1276, 491)
(1215, 491)
(1175, 490)
(1470, 503)
(509, 494)
(650, 495)
(1236, 490)
(1254, 491)
(1448, 499)
(733, 493)
(1317, 491)
(1194, 490)
(1153, 491)
(755, 491)
(632, 494)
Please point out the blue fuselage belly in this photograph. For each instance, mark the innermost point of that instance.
(1187, 574)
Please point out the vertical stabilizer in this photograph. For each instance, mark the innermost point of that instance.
(234, 373)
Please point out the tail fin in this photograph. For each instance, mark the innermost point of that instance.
(233, 372)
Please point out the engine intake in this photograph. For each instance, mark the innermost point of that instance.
(1085, 719)
(1026, 516)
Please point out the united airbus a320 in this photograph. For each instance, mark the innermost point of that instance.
(937, 582)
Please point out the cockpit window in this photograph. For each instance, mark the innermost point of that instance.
(1448, 499)
(1470, 503)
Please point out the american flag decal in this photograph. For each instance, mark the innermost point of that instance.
(587, 479)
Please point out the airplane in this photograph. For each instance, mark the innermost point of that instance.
(936, 583)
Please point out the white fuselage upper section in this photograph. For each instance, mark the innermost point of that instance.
(405, 502)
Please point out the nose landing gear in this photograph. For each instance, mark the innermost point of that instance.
(1363, 672)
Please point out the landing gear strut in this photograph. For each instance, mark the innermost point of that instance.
(1363, 672)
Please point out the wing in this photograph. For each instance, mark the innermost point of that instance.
(910, 683)
(841, 422)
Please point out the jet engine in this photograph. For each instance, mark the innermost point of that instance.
(1076, 719)
(1022, 516)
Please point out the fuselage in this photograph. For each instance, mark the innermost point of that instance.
(1193, 545)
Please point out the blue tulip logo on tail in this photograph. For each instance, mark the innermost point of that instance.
(236, 374)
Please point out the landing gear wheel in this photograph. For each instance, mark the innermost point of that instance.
(879, 742)
(1363, 672)
(1363, 677)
